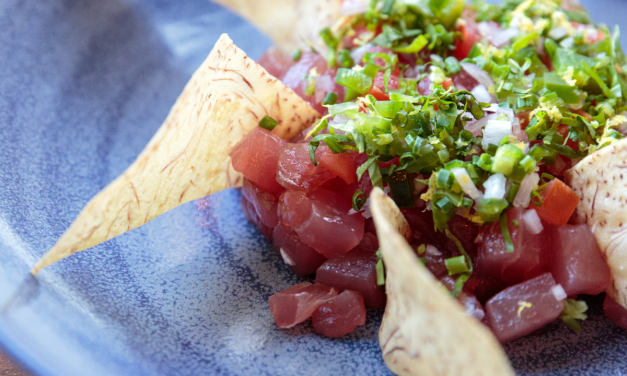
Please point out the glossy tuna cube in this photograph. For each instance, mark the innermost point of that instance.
(340, 315)
(296, 304)
(301, 258)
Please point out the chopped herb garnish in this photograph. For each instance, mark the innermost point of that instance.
(268, 123)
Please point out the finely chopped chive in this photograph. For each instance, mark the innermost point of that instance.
(330, 98)
(268, 123)
(456, 265)
(507, 237)
(359, 199)
(297, 55)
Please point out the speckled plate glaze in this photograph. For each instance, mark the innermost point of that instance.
(83, 86)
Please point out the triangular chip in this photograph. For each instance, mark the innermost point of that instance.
(600, 181)
(288, 22)
(188, 157)
(424, 331)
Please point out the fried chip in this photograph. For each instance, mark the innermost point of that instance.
(424, 331)
(188, 157)
(289, 23)
(600, 182)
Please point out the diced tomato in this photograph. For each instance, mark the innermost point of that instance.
(424, 86)
(296, 304)
(563, 130)
(331, 231)
(583, 113)
(378, 86)
(464, 81)
(523, 308)
(524, 262)
(576, 260)
(615, 312)
(294, 208)
(340, 315)
(265, 203)
(301, 258)
(251, 214)
(353, 271)
(447, 83)
(523, 117)
(296, 171)
(470, 37)
(558, 203)
(256, 156)
(340, 164)
(275, 62)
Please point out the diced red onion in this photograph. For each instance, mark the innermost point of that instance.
(351, 7)
(559, 293)
(478, 74)
(523, 197)
(324, 84)
(476, 126)
(495, 186)
(558, 167)
(517, 131)
(464, 181)
(481, 93)
(532, 221)
(358, 53)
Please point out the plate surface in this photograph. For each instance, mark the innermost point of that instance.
(83, 86)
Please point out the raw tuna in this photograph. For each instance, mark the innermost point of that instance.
(340, 315)
(301, 258)
(368, 245)
(340, 164)
(324, 79)
(296, 171)
(294, 208)
(483, 286)
(265, 203)
(378, 85)
(615, 312)
(464, 81)
(527, 259)
(296, 304)
(275, 62)
(251, 214)
(331, 231)
(523, 308)
(256, 156)
(465, 231)
(353, 271)
(472, 305)
(576, 261)
(421, 223)
(424, 86)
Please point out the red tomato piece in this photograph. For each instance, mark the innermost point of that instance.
(340, 315)
(294, 208)
(353, 271)
(470, 37)
(331, 231)
(251, 214)
(296, 171)
(521, 309)
(563, 130)
(256, 156)
(558, 203)
(615, 312)
(301, 258)
(275, 62)
(527, 259)
(265, 203)
(340, 164)
(577, 262)
(296, 304)
(378, 86)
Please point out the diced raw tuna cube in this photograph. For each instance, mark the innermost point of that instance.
(301, 258)
(615, 312)
(340, 164)
(251, 214)
(353, 271)
(296, 304)
(296, 171)
(483, 286)
(521, 309)
(294, 208)
(275, 62)
(340, 315)
(265, 203)
(576, 261)
(256, 156)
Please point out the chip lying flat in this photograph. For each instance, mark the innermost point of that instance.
(600, 182)
(188, 156)
(424, 331)
(288, 22)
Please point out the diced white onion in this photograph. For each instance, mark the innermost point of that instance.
(339, 119)
(523, 197)
(464, 181)
(558, 33)
(503, 36)
(559, 293)
(432, 251)
(495, 186)
(286, 258)
(532, 221)
(494, 132)
(478, 74)
(358, 53)
(476, 126)
(558, 167)
(351, 7)
(481, 93)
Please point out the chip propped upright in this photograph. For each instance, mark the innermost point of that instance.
(188, 157)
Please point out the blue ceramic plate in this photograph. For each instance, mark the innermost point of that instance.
(83, 86)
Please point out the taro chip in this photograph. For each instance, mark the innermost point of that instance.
(424, 330)
(188, 157)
